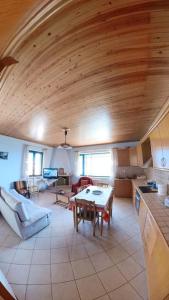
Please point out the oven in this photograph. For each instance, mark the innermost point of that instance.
(137, 201)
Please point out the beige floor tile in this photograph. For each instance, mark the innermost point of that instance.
(20, 291)
(111, 278)
(105, 297)
(101, 261)
(39, 274)
(7, 254)
(77, 252)
(132, 245)
(23, 257)
(82, 268)
(139, 257)
(61, 272)
(65, 291)
(38, 292)
(58, 242)
(18, 274)
(12, 242)
(28, 244)
(121, 236)
(42, 243)
(124, 292)
(59, 255)
(117, 254)
(90, 288)
(129, 268)
(93, 248)
(4, 267)
(41, 257)
(140, 284)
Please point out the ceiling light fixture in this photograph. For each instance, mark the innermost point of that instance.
(65, 145)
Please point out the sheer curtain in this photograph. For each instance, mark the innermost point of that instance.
(77, 164)
(113, 165)
(25, 163)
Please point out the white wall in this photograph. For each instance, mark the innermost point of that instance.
(11, 169)
(61, 159)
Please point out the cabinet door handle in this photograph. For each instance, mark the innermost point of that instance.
(163, 161)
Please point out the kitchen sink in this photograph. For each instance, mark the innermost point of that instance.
(147, 189)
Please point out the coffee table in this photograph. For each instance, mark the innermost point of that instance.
(63, 198)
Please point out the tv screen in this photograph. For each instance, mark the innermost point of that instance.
(50, 173)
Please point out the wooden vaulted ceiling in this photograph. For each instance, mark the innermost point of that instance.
(99, 67)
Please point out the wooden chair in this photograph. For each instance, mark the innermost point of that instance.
(110, 205)
(21, 188)
(86, 210)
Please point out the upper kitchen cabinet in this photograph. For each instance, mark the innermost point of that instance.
(156, 148)
(139, 155)
(133, 156)
(160, 144)
(164, 137)
(123, 159)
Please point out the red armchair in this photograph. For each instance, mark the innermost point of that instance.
(82, 182)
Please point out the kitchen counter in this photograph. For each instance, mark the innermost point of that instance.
(153, 219)
(154, 202)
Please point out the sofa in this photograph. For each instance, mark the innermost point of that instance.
(24, 217)
(83, 182)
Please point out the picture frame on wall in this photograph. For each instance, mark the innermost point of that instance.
(3, 155)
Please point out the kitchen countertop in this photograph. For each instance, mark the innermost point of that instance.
(154, 202)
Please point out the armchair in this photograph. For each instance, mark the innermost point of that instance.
(21, 188)
(82, 182)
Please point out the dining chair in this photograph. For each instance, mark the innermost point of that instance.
(101, 214)
(86, 211)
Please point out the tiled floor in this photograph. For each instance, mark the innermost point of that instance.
(59, 264)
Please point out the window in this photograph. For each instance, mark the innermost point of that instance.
(95, 164)
(35, 160)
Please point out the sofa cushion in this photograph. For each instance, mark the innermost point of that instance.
(15, 204)
(36, 212)
(19, 197)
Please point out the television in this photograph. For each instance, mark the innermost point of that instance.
(50, 173)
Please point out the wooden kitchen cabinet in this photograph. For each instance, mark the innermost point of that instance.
(160, 144)
(133, 156)
(157, 260)
(139, 155)
(142, 215)
(164, 137)
(156, 147)
(123, 157)
(123, 188)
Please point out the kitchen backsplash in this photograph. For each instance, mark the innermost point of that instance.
(159, 176)
(131, 172)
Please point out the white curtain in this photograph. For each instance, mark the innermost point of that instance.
(77, 164)
(45, 158)
(113, 165)
(25, 162)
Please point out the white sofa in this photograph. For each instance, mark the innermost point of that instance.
(24, 217)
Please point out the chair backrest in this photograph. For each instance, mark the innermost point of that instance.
(19, 185)
(86, 180)
(85, 209)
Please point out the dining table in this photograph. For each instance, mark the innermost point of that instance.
(102, 196)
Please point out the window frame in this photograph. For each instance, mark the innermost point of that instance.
(83, 164)
(34, 154)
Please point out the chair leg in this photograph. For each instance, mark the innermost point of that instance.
(94, 225)
(76, 224)
(101, 229)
